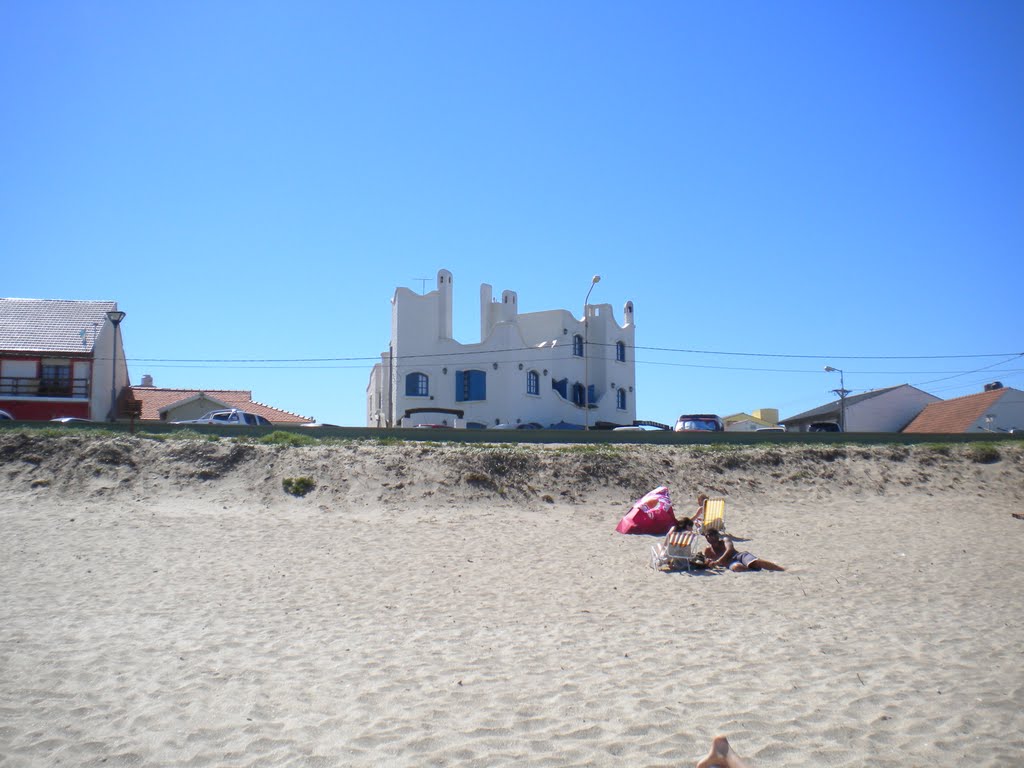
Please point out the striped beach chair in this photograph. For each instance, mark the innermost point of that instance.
(714, 515)
(675, 553)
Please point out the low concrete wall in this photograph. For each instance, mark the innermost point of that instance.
(555, 436)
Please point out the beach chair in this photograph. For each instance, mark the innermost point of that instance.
(714, 515)
(676, 553)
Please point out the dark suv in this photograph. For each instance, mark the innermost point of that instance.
(824, 426)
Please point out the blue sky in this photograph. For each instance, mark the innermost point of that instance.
(776, 186)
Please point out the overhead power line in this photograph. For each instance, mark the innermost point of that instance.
(822, 357)
(594, 344)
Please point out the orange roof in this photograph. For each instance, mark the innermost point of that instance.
(956, 415)
(154, 399)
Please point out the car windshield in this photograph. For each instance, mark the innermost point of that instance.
(700, 424)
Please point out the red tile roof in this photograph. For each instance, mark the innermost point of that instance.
(154, 399)
(956, 415)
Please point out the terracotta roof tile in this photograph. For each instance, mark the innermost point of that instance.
(956, 415)
(154, 399)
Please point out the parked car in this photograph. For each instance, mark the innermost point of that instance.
(770, 429)
(644, 426)
(72, 420)
(230, 416)
(700, 422)
(824, 426)
(5, 416)
(524, 425)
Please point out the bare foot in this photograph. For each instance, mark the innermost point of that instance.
(721, 756)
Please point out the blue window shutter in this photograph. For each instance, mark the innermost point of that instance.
(561, 387)
(459, 376)
(477, 385)
(410, 384)
(591, 394)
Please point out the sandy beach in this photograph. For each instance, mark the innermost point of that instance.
(165, 602)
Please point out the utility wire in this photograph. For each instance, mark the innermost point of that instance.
(1011, 355)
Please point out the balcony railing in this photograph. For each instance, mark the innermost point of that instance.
(24, 386)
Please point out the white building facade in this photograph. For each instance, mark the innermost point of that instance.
(547, 368)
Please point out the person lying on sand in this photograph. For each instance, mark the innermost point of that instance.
(721, 756)
(722, 552)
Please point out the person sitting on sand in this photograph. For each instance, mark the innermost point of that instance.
(721, 756)
(722, 552)
(674, 544)
(701, 500)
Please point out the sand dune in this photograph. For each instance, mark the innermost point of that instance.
(167, 603)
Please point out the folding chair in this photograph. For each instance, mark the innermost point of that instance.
(675, 553)
(714, 515)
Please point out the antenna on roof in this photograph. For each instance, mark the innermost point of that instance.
(423, 284)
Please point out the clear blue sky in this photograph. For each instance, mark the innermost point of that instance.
(823, 181)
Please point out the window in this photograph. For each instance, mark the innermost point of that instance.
(577, 345)
(620, 351)
(577, 393)
(561, 386)
(532, 383)
(56, 379)
(620, 400)
(470, 385)
(417, 385)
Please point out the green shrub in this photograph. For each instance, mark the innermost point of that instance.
(298, 486)
(280, 437)
(983, 453)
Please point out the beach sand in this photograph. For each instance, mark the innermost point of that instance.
(167, 603)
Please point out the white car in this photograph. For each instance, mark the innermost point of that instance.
(231, 417)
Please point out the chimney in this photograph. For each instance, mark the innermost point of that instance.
(147, 380)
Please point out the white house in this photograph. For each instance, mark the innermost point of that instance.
(61, 358)
(997, 409)
(877, 410)
(539, 367)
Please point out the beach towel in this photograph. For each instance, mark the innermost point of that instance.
(650, 514)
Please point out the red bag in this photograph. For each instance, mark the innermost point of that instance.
(651, 514)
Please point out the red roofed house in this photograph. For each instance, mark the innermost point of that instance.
(997, 409)
(60, 358)
(183, 404)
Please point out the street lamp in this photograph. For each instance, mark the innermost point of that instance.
(115, 317)
(586, 358)
(842, 392)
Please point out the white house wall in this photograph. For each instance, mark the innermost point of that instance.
(888, 412)
(104, 369)
(511, 345)
(1007, 413)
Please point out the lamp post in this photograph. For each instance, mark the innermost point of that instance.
(842, 392)
(115, 317)
(586, 354)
